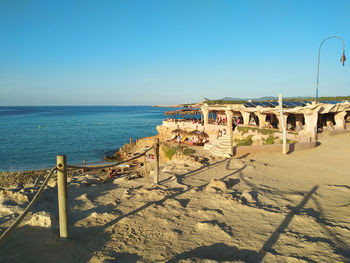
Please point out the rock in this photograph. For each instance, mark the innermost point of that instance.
(216, 185)
(52, 183)
(89, 179)
(215, 228)
(186, 160)
(247, 196)
(85, 183)
(41, 219)
(133, 176)
(5, 209)
(16, 197)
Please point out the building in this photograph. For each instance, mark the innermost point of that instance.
(303, 119)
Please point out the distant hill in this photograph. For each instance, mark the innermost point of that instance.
(230, 98)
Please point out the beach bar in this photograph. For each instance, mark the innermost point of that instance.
(303, 119)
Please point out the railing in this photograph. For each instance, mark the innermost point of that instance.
(61, 169)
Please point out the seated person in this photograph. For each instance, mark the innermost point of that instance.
(178, 138)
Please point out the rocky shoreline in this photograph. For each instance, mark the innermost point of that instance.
(14, 178)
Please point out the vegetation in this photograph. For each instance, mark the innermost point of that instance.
(170, 150)
(245, 142)
(291, 141)
(270, 139)
(221, 102)
(188, 151)
(322, 98)
(244, 130)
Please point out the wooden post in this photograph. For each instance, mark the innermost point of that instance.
(145, 168)
(284, 150)
(62, 194)
(231, 141)
(229, 116)
(156, 163)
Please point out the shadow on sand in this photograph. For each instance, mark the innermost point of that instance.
(32, 244)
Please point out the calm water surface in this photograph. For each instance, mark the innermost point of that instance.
(31, 137)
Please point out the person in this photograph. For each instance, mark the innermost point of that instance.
(238, 122)
(178, 138)
(219, 134)
(223, 132)
(299, 127)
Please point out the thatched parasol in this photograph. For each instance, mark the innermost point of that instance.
(204, 134)
(183, 112)
(198, 133)
(195, 132)
(176, 131)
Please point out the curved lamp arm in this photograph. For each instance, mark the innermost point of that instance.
(342, 59)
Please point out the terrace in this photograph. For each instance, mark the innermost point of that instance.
(304, 117)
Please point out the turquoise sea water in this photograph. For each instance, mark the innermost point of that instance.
(31, 137)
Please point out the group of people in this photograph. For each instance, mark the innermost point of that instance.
(218, 120)
(221, 132)
(192, 140)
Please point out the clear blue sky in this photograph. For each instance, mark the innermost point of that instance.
(163, 52)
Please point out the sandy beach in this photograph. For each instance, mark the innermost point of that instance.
(261, 207)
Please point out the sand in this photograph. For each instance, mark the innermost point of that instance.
(262, 207)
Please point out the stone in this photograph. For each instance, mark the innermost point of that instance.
(216, 185)
(40, 219)
(52, 183)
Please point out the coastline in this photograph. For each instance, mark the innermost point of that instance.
(168, 106)
(33, 136)
(21, 177)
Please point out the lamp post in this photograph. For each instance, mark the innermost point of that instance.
(342, 58)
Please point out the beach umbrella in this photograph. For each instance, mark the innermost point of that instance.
(199, 134)
(204, 134)
(195, 132)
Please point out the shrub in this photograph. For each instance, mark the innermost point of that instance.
(168, 151)
(270, 139)
(244, 130)
(245, 142)
(188, 151)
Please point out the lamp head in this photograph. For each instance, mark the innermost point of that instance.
(343, 58)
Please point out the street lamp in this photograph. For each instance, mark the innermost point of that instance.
(342, 59)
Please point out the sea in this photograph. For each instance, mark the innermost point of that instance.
(31, 137)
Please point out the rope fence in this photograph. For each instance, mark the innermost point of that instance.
(25, 212)
(102, 166)
(61, 169)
